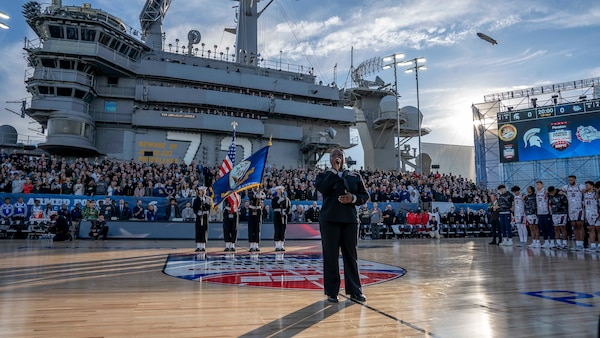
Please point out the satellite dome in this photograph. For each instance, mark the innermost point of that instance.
(8, 135)
(388, 104)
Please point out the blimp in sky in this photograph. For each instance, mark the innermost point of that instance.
(487, 38)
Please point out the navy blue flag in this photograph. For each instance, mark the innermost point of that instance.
(245, 175)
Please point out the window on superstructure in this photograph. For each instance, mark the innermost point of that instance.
(72, 33)
(79, 94)
(49, 63)
(123, 49)
(113, 44)
(88, 34)
(133, 53)
(56, 32)
(66, 64)
(45, 90)
(104, 39)
(61, 91)
(112, 81)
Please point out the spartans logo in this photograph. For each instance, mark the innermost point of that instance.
(239, 174)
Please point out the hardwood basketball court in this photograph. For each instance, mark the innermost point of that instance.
(452, 288)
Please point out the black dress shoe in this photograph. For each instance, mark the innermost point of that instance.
(492, 243)
(359, 298)
(332, 299)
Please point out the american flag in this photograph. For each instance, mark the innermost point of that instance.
(228, 163)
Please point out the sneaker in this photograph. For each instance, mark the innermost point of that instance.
(227, 250)
(546, 245)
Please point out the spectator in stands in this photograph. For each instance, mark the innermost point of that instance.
(107, 209)
(90, 188)
(400, 217)
(434, 228)
(376, 221)
(188, 213)
(298, 214)
(89, 211)
(67, 186)
(173, 210)
(27, 186)
(79, 188)
(138, 211)
(389, 218)
(99, 228)
(101, 187)
(364, 215)
(17, 184)
(267, 214)
(123, 211)
(244, 212)
(159, 190)
(151, 213)
(312, 213)
(140, 190)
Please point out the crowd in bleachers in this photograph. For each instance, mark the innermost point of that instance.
(97, 178)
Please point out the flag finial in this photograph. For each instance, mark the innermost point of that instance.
(270, 141)
(234, 124)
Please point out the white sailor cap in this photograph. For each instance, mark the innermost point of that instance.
(279, 187)
(202, 188)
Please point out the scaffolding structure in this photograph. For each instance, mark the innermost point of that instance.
(490, 172)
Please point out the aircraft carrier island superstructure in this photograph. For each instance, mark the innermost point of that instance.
(99, 89)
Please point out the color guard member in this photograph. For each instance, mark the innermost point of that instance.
(281, 208)
(202, 205)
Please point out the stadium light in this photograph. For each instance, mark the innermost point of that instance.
(416, 67)
(4, 16)
(392, 62)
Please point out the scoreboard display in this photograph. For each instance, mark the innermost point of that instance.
(549, 132)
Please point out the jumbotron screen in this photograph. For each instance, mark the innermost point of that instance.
(550, 132)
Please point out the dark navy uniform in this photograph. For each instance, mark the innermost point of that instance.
(339, 229)
(255, 218)
(281, 208)
(202, 206)
(230, 225)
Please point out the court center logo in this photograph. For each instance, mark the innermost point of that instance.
(303, 271)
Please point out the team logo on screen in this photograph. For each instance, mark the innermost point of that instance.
(507, 132)
(531, 138)
(559, 135)
(302, 271)
(587, 134)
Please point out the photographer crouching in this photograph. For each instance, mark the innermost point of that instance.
(99, 228)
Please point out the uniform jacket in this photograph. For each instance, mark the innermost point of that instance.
(331, 186)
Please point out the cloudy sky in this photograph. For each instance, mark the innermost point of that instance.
(539, 42)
